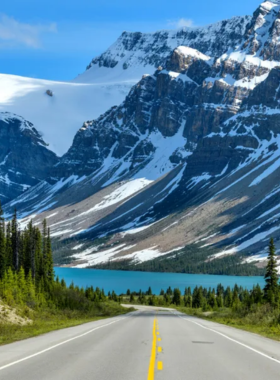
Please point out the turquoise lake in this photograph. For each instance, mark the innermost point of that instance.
(120, 281)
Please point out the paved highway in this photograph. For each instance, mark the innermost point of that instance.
(151, 343)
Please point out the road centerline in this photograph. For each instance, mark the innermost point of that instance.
(151, 373)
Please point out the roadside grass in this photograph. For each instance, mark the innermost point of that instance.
(46, 320)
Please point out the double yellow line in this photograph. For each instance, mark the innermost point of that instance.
(151, 373)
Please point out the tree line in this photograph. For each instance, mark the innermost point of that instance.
(27, 253)
(191, 260)
(213, 299)
(26, 271)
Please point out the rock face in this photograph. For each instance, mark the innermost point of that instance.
(151, 49)
(24, 157)
(184, 101)
(192, 154)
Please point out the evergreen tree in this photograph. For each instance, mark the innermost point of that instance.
(2, 244)
(149, 292)
(38, 271)
(9, 248)
(212, 300)
(169, 291)
(257, 294)
(220, 301)
(15, 242)
(44, 238)
(271, 276)
(32, 254)
(49, 260)
(176, 297)
(188, 301)
(167, 299)
(22, 284)
(198, 299)
(228, 297)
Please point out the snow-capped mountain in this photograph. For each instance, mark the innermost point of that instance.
(191, 156)
(24, 156)
(107, 79)
(132, 52)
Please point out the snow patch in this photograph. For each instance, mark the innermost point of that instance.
(123, 192)
(187, 51)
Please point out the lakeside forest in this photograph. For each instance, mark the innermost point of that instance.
(29, 291)
(28, 287)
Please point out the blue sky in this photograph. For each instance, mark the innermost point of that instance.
(56, 39)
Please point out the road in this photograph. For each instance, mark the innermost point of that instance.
(151, 343)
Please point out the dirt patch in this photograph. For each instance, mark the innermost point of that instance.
(10, 315)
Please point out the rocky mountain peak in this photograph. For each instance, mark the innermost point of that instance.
(150, 50)
(24, 157)
(262, 35)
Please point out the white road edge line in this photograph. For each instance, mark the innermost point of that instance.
(59, 344)
(233, 340)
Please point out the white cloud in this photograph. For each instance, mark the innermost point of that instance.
(181, 23)
(15, 32)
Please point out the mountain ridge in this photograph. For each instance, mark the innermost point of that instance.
(189, 158)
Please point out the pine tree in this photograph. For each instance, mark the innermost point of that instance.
(2, 244)
(9, 248)
(26, 255)
(44, 238)
(257, 294)
(21, 250)
(198, 299)
(15, 242)
(228, 297)
(38, 257)
(22, 284)
(271, 277)
(176, 297)
(10, 287)
(188, 301)
(49, 260)
(149, 292)
(32, 254)
(212, 300)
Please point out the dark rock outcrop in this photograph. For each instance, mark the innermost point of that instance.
(24, 157)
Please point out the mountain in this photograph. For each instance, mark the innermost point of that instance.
(106, 81)
(134, 54)
(20, 147)
(184, 170)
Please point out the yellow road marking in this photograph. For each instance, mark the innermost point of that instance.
(157, 333)
(159, 366)
(159, 349)
(159, 339)
(151, 372)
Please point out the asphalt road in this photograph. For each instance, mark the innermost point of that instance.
(149, 344)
